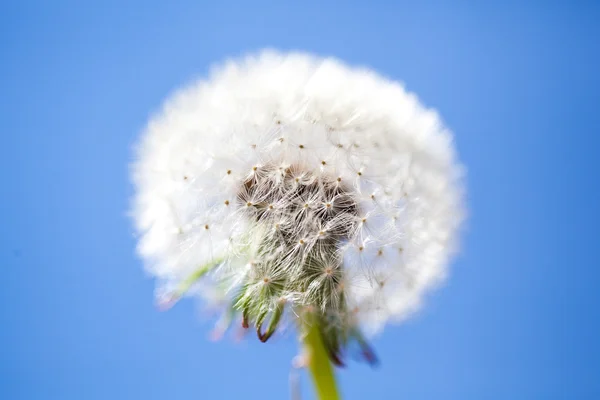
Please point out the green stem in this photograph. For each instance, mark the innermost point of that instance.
(319, 365)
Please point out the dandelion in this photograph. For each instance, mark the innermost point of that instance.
(289, 189)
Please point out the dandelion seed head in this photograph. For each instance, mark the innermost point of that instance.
(304, 180)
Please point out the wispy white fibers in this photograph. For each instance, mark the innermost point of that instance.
(287, 181)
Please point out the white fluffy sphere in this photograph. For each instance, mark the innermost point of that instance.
(298, 179)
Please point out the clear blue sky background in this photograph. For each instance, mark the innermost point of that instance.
(519, 85)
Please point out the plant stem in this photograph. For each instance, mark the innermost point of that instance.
(319, 365)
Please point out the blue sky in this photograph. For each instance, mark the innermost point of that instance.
(519, 86)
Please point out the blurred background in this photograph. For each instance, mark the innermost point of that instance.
(518, 84)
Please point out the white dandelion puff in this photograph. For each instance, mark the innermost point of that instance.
(291, 182)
